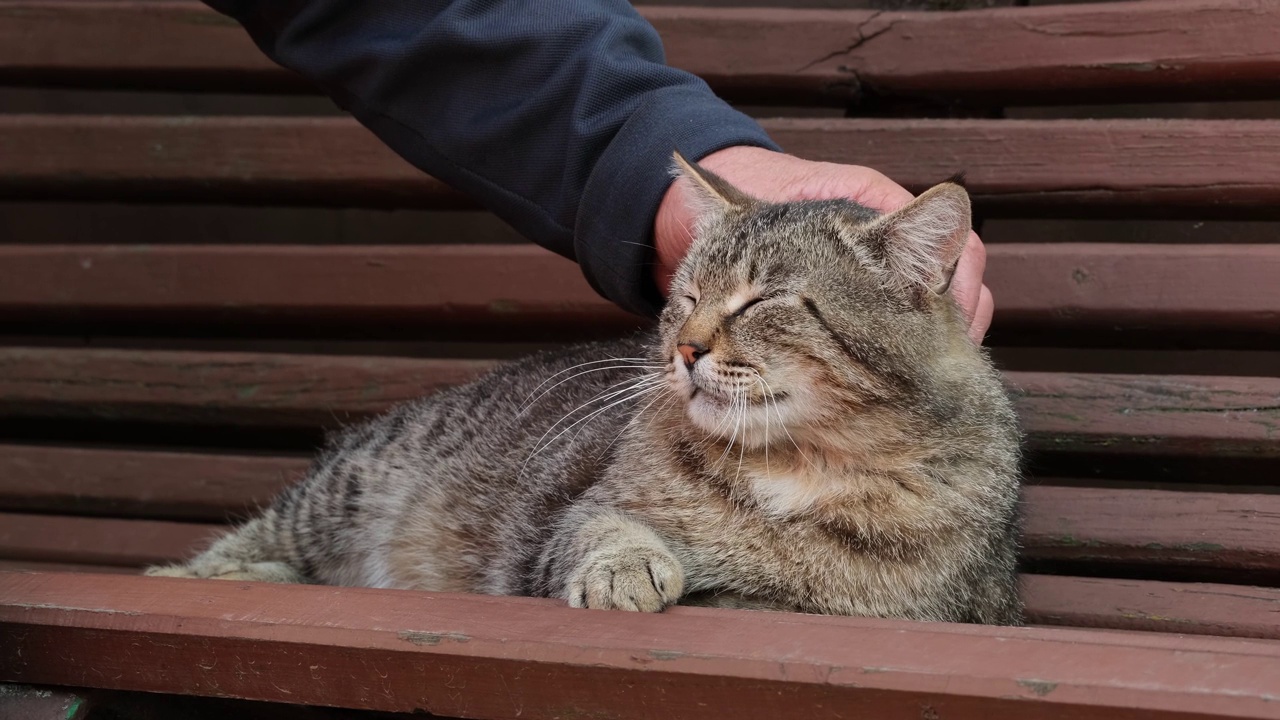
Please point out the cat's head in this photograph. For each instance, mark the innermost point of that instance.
(794, 315)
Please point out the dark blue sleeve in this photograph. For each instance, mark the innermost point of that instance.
(560, 116)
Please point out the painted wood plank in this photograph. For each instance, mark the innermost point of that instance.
(1066, 412)
(1122, 50)
(1197, 168)
(1094, 527)
(100, 541)
(1078, 292)
(517, 657)
(1168, 607)
(1051, 600)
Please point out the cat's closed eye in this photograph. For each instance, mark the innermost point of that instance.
(750, 304)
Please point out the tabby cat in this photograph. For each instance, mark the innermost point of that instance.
(808, 429)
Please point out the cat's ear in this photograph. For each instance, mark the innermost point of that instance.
(921, 242)
(711, 193)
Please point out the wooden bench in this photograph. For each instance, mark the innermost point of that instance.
(154, 387)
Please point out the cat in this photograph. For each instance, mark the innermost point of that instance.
(809, 428)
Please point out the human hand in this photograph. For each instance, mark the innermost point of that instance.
(778, 177)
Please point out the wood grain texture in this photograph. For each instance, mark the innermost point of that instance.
(1051, 600)
(474, 656)
(1122, 50)
(246, 160)
(137, 483)
(1053, 54)
(1153, 527)
(1127, 528)
(1198, 168)
(1180, 608)
(1150, 415)
(1065, 412)
(1096, 293)
(458, 290)
(99, 541)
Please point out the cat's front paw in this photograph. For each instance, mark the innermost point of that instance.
(636, 578)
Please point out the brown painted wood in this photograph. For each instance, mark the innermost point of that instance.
(1150, 415)
(1166, 168)
(121, 546)
(1079, 292)
(1051, 600)
(1120, 50)
(241, 388)
(156, 484)
(502, 291)
(1153, 527)
(1093, 413)
(1195, 168)
(104, 541)
(489, 657)
(22, 702)
(1128, 528)
(257, 160)
(1102, 293)
(1181, 608)
(1103, 51)
(30, 566)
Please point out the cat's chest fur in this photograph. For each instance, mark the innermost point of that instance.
(839, 541)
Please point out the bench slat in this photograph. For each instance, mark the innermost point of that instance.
(1153, 527)
(471, 656)
(1054, 54)
(1145, 605)
(1188, 530)
(1068, 412)
(1183, 608)
(100, 541)
(1094, 293)
(134, 483)
(1196, 168)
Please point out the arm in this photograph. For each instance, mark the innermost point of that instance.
(560, 116)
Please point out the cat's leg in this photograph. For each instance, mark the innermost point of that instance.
(250, 552)
(603, 559)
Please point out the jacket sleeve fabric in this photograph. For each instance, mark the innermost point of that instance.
(560, 116)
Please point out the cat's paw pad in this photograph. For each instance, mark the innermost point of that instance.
(643, 579)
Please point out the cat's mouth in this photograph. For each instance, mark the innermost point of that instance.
(719, 395)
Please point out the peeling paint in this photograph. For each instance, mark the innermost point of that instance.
(665, 654)
(418, 637)
(1040, 687)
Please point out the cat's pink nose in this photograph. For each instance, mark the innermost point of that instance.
(691, 351)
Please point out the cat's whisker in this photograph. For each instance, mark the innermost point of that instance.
(668, 393)
(644, 366)
(651, 387)
(596, 413)
(733, 412)
(644, 384)
(760, 380)
(571, 368)
(783, 424)
(605, 394)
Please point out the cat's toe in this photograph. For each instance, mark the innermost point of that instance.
(636, 578)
